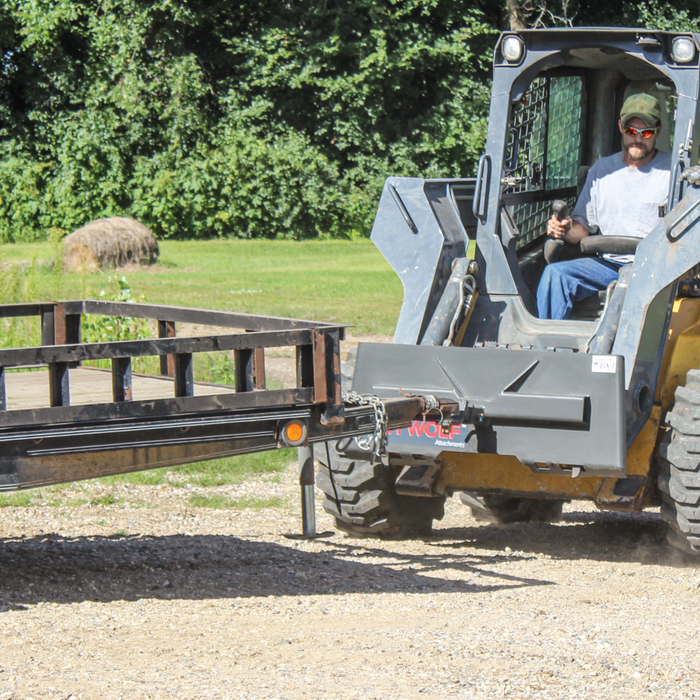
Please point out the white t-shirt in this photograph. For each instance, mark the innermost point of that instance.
(621, 201)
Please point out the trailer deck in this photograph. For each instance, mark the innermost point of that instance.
(92, 385)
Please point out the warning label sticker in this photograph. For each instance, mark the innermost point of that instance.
(604, 364)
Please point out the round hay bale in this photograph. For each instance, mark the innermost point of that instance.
(112, 242)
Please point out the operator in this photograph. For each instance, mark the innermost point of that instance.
(622, 197)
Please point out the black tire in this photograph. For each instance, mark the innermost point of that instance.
(508, 509)
(679, 458)
(360, 495)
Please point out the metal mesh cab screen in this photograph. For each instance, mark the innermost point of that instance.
(544, 148)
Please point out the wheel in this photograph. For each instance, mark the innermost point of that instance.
(360, 495)
(679, 457)
(508, 509)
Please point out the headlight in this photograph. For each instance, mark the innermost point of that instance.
(512, 49)
(683, 49)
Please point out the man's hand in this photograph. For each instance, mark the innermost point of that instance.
(558, 229)
(568, 230)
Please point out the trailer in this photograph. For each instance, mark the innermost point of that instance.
(62, 420)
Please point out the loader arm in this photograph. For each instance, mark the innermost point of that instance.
(664, 257)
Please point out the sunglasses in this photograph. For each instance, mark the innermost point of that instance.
(645, 133)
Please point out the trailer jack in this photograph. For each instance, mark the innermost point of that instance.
(308, 497)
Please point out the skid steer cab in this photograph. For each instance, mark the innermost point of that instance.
(604, 405)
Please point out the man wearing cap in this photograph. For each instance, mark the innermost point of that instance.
(621, 197)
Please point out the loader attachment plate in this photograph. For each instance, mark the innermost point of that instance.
(553, 410)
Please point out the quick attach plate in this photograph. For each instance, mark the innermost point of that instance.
(546, 408)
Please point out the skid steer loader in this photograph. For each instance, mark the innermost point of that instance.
(602, 406)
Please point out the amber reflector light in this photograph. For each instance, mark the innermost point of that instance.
(294, 432)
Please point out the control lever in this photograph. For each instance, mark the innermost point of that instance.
(553, 247)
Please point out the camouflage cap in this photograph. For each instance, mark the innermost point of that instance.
(643, 106)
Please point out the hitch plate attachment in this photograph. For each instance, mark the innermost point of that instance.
(543, 407)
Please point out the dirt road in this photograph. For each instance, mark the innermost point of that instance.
(167, 601)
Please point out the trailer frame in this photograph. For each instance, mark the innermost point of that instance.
(63, 442)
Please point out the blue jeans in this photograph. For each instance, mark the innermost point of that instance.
(564, 283)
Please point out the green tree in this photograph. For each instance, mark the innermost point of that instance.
(257, 119)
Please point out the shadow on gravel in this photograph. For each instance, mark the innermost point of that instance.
(58, 569)
(598, 536)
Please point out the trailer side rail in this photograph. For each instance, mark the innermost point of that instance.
(247, 336)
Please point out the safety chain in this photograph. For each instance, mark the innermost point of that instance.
(377, 441)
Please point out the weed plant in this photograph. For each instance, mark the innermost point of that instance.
(17, 285)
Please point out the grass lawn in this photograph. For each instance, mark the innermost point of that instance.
(339, 281)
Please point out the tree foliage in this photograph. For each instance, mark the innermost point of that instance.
(254, 119)
(222, 119)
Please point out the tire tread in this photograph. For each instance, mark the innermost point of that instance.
(679, 458)
(365, 504)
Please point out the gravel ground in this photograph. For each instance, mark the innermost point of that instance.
(151, 598)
